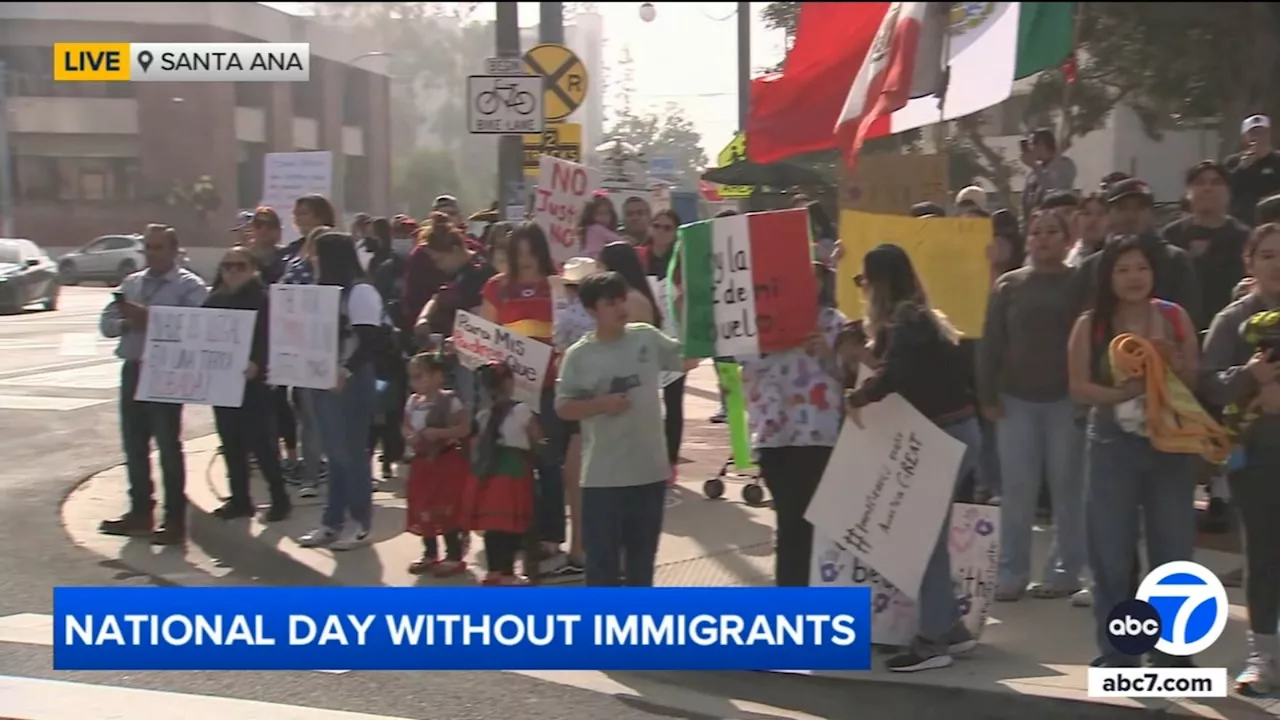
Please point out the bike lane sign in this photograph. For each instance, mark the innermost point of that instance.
(504, 104)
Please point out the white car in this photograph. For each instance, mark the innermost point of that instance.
(109, 258)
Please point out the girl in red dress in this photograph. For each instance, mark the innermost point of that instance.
(436, 424)
(498, 499)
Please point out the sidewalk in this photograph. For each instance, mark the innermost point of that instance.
(1033, 648)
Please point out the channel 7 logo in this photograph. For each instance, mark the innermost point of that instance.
(1180, 610)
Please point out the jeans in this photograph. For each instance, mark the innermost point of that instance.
(939, 608)
(792, 475)
(140, 423)
(549, 465)
(251, 430)
(1130, 484)
(312, 444)
(1035, 439)
(1257, 494)
(622, 524)
(343, 421)
(673, 418)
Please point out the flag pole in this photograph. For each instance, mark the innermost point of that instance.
(1064, 137)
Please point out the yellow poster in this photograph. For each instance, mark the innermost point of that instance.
(949, 254)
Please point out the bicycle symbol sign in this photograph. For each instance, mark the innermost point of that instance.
(504, 104)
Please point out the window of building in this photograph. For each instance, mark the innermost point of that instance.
(306, 95)
(355, 97)
(253, 94)
(355, 183)
(45, 179)
(249, 174)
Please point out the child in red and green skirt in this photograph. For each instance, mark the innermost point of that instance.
(436, 425)
(498, 499)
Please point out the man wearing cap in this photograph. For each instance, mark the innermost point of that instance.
(241, 229)
(971, 198)
(1214, 239)
(265, 244)
(1129, 212)
(1254, 172)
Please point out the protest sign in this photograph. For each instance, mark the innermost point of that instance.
(974, 543)
(478, 342)
(287, 176)
(669, 324)
(196, 355)
(563, 189)
(886, 488)
(749, 286)
(949, 255)
(303, 351)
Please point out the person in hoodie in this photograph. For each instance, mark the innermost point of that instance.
(249, 429)
(1129, 213)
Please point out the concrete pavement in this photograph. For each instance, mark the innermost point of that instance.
(1033, 658)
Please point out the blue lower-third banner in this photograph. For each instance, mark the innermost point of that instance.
(462, 629)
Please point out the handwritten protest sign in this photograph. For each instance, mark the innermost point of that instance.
(196, 355)
(669, 326)
(287, 176)
(303, 351)
(975, 554)
(479, 342)
(563, 189)
(886, 488)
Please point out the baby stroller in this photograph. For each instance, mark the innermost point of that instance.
(752, 492)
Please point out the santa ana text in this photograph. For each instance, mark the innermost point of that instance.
(475, 629)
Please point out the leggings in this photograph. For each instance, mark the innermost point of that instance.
(792, 475)
(286, 423)
(500, 549)
(1256, 494)
(673, 419)
(452, 546)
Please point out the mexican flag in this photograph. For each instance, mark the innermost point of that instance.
(984, 46)
(749, 284)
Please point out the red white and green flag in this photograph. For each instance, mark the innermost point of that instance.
(749, 285)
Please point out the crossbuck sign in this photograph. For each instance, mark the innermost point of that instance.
(504, 104)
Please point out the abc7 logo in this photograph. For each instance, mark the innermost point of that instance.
(1180, 610)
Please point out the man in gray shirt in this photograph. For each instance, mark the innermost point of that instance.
(1049, 171)
(162, 282)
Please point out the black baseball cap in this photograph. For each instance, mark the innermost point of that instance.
(927, 209)
(1129, 187)
(1060, 199)
(1195, 171)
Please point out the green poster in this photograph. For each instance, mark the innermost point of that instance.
(735, 405)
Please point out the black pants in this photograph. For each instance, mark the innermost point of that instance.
(1254, 490)
(386, 428)
(286, 423)
(673, 418)
(251, 430)
(140, 423)
(622, 526)
(792, 475)
(500, 550)
(452, 546)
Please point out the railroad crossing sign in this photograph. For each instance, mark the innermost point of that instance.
(562, 140)
(504, 104)
(734, 152)
(566, 79)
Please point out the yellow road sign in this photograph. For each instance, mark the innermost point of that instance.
(565, 75)
(562, 140)
(734, 152)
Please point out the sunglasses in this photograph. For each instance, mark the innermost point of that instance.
(234, 265)
(663, 227)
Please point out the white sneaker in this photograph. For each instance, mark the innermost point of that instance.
(1259, 674)
(1082, 598)
(320, 537)
(351, 539)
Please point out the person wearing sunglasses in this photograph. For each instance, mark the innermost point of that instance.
(251, 428)
(661, 246)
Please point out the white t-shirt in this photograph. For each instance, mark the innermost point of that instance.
(418, 408)
(514, 432)
(364, 305)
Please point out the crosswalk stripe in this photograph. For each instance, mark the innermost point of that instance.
(37, 629)
(36, 699)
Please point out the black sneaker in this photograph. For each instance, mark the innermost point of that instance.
(131, 524)
(1215, 520)
(169, 534)
(278, 511)
(232, 510)
(719, 418)
(917, 659)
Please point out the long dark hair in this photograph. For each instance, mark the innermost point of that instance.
(1104, 298)
(320, 208)
(339, 262)
(1005, 225)
(621, 258)
(380, 230)
(535, 239)
(589, 217)
(892, 282)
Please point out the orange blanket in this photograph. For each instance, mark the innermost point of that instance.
(1176, 423)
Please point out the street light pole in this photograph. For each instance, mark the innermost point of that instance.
(744, 64)
(510, 147)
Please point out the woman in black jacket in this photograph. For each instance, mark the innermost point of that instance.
(250, 428)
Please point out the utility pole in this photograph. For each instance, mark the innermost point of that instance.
(510, 147)
(744, 64)
(6, 165)
(551, 23)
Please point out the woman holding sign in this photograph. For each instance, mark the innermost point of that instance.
(344, 414)
(919, 357)
(250, 428)
(521, 300)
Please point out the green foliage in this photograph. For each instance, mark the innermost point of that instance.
(669, 133)
(421, 175)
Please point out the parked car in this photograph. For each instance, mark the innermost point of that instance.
(109, 258)
(27, 276)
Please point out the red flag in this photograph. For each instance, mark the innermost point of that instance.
(905, 61)
(793, 112)
(1070, 68)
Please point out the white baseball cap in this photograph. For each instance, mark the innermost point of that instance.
(1254, 121)
(578, 269)
(973, 194)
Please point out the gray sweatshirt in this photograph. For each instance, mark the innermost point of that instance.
(1023, 352)
(1223, 379)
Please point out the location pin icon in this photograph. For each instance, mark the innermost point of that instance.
(144, 59)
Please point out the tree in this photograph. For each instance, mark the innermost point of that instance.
(423, 174)
(782, 16)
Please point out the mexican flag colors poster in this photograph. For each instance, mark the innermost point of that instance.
(749, 284)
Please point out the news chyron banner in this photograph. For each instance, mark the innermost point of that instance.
(252, 628)
(182, 62)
